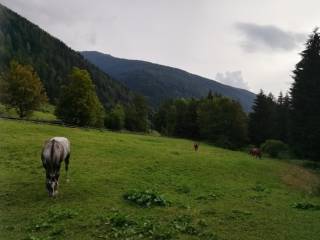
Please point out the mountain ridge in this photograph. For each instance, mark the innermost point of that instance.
(145, 77)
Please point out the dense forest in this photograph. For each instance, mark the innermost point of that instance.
(217, 119)
(269, 118)
(294, 118)
(159, 83)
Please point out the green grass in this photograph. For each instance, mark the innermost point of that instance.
(46, 113)
(213, 193)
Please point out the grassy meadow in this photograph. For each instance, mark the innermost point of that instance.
(210, 194)
(46, 113)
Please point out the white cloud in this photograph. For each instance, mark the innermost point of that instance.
(234, 79)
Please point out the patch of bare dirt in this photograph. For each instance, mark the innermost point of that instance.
(302, 179)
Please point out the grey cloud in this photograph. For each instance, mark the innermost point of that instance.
(234, 79)
(266, 37)
(58, 12)
(187, 34)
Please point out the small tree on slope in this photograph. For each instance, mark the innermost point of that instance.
(79, 103)
(22, 89)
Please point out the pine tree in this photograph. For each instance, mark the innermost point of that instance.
(210, 95)
(261, 119)
(305, 99)
(282, 118)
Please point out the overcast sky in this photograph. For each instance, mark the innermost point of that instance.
(250, 44)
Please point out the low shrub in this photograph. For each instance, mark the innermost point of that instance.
(183, 189)
(147, 198)
(259, 188)
(237, 214)
(306, 206)
(274, 148)
(120, 221)
(210, 196)
(311, 165)
(56, 215)
(184, 225)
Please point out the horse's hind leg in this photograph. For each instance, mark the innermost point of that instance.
(66, 161)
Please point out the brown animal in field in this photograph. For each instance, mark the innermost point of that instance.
(196, 146)
(256, 152)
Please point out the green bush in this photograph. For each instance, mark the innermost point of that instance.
(120, 221)
(274, 148)
(146, 198)
(306, 206)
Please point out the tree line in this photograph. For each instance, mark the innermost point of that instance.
(269, 118)
(215, 118)
(78, 103)
(293, 118)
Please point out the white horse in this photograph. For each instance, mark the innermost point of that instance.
(55, 150)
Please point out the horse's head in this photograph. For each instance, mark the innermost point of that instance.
(52, 184)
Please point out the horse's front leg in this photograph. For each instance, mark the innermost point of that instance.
(56, 189)
(56, 184)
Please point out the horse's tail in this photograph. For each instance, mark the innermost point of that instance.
(66, 165)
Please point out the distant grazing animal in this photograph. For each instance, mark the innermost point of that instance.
(256, 152)
(196, 146)
(55, 151)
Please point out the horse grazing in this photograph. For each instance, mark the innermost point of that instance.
(55, 150)
(196, 146)
(256, 152)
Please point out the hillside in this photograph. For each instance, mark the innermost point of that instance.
(158, 82)
(213, 194)
(51, 58)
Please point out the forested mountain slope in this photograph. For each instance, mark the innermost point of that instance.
(158, 82)
(52, 59)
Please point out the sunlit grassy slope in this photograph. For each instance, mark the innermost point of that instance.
(226, 193)
(46, 114)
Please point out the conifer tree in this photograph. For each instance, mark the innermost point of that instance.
(261, 119)
(305, 99)
(282, 118)
(210, 95)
